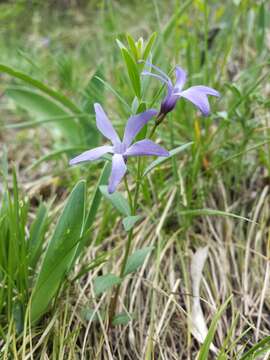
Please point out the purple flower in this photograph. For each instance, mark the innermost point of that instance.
(121, 150)
(196, 94)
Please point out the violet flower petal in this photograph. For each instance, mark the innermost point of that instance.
(118, 171)
(146, 147)
(135, 124)
(104, 125)
(169, 103)
(198, 96)
(161, 78)
(92, 154)
(162, 73)
(181, 77)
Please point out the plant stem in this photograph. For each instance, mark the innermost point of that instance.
(159, 119)
(114, 300)
(133, 205)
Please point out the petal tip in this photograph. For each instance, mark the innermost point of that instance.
(153, 112)
(111, 189)
(205, 113)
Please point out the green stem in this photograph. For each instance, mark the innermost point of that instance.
(128, 191)
(114, 300)
(133, 206)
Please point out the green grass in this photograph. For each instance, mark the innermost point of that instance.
(56, 63)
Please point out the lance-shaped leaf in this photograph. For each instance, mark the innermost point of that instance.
(42, 107)
(60, 252)
(133, 72)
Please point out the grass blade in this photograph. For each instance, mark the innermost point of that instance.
(204, 351)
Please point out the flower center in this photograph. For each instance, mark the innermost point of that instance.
(119, 148)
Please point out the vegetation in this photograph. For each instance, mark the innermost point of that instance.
(175, 263)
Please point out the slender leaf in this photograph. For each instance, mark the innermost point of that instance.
(132, 46)
(117, 94)
(169, 27)
(149, 46)
(96, 199)
(41, 106)
(37, 232)
(133, 72)
(60, 252)
(255, 351)
(204, 351)
(103, 179)
(94, 92)
(56, 154)
(41, 86)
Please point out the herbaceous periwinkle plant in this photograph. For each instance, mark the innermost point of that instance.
(122, 149)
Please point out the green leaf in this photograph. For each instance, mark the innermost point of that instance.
(132, 46)
(103, 179)
(60, 99)
(121, 319)
(204, 351)
(120, 44)
(170, 26)
(149, 45)
(91, 214)
(18, 316)
(60, 252)
(117, 94)
(133, 72)
(41, 106)
(98, 260)
(56, 154)
(40, 86)
(36, 123)
(172, 23)
(37, 232)
(94, 92)
(105, 282)
(162, 159)
(137, 259)
(257, 349)
(130, 221)
(260, 32)
(117, 200)
(92, 314)
(234, 89)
